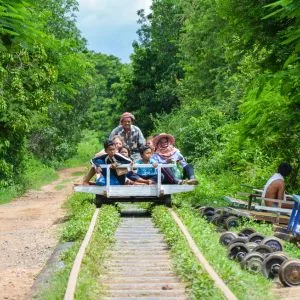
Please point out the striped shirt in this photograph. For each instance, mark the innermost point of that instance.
(133, 139)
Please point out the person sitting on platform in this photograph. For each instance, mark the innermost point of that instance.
(166, 153)
(274, 188)
(131, 134)
(110, 158)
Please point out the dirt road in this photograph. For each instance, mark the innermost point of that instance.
(28, 233)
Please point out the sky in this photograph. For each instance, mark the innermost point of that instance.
(110, 26)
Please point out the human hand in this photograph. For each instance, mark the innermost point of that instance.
(98, 170)
(155, 164)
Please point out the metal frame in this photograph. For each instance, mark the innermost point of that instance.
(133, 192)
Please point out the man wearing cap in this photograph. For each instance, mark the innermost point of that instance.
(132, 135)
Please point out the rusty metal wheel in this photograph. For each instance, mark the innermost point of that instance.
(226, 238)
(208, 212)
(263, 249)
(271, 265)
(220, 211)
(218, 219)
(246, 231)
(253, 262)
(256, 237)
(239, 239)
(251, 245)
(273, 242)
(289, 272)
(231, 221)
(237, 251)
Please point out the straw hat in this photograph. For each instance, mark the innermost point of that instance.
(157, 138)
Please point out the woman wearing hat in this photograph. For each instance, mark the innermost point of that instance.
(165, 152)
(132, 135)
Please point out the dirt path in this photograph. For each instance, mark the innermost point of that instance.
(28, 234)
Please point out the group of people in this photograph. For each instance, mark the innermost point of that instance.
(127, 145)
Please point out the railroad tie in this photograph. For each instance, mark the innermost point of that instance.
(140, 266)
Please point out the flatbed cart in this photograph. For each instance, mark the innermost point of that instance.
(157, 193)
(256, 209)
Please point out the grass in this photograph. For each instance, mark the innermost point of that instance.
(85, 150)
(198, 283)
(244, 284)
(80, 211)
(92, 266)
(35, 175)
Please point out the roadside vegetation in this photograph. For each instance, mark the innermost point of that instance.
(243, 284)
(80, 211)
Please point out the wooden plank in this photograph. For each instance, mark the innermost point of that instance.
(273, 209)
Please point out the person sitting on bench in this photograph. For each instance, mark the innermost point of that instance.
(274, 188)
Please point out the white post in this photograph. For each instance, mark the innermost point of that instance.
(108, 180)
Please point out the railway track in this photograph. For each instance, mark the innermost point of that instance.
(140, 266)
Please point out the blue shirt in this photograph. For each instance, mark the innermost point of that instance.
(146, 171)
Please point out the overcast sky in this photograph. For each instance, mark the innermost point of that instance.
(110, 25)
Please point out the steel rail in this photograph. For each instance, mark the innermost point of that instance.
(71, 287)
(69, 294)
(218, 281)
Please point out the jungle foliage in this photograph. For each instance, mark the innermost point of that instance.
(51, 85)
(237, 106)
(222, 76)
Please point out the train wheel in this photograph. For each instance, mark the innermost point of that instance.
(289, 272)
(271, 265)
(227, 237)
(272, 242)
(231, 221)
(253, 262)
(246, 231)
(263, 249)
(256, 237)
(237, 251)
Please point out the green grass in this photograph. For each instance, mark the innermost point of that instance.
(243, 284)
(35, 175)
(80, 210)
(198, 282)
(92, 265)
(85, 150)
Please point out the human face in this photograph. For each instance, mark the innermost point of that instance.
(149, 143)
(124, 152)
(164, 142)
(147, 155)
(126, 123)
(111, 151)
(118, 143)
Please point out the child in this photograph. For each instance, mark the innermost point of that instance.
(110, 158)
(149, 143)
(146, 174)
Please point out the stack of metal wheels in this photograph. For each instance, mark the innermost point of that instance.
(260, 254)
(219, 217)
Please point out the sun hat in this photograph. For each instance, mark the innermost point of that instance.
(127, 115)
(160, 136)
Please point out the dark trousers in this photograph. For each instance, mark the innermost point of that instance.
(188, 172)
